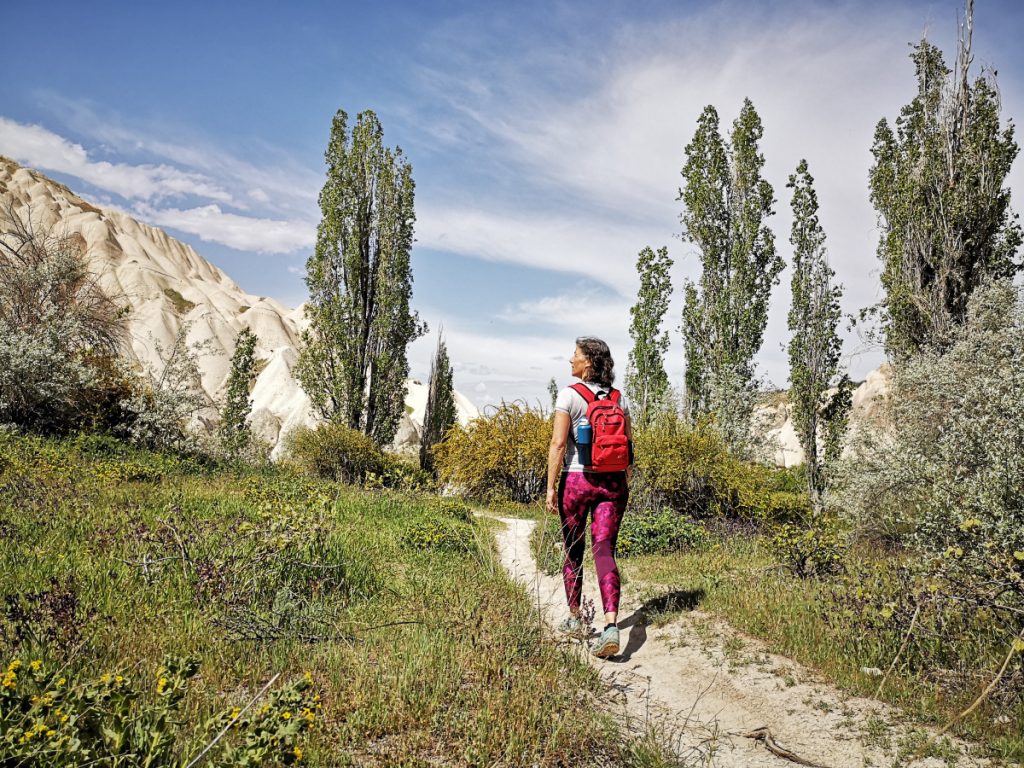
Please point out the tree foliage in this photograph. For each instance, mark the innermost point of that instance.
(646, 381)
(235, 434)
(938, 185)
(726, 204)
(440, 415)
(814, 316)
(353, 363)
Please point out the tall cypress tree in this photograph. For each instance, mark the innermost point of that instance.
(440, 415)
(814, 315)
(234, 431)
(725, 313)
(646, 381)
(938, 186)
(353, 363)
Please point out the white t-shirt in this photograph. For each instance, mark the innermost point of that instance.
(571, 402)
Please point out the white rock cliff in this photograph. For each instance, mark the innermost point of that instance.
(167, 283)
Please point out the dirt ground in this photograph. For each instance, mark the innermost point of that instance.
(702, 688)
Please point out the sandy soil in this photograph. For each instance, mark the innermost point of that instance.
(698, 685)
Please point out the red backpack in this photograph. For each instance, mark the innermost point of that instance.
(610, 448)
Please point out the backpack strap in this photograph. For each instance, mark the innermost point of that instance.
(584, 391)
(587, 394)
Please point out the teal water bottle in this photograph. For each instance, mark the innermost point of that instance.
(584, 438)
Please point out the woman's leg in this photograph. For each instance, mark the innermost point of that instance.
(572, 505)
(604, 531)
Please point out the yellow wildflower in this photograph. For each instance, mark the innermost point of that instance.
(14, 666)
(36, 665)
(286, 715)
(104, 678)
(60, 683)
(161, 684)
(298, 753)
(119, 679)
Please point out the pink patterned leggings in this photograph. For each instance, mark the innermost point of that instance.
(604, 497)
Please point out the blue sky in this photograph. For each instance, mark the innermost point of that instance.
(546, 141)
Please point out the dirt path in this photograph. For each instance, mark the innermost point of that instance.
(698, 686)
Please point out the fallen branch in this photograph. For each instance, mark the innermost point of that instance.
(198, 758)
(1016, 646)
(903, 647)
(764, 735)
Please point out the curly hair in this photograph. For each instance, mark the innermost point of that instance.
(602, 367)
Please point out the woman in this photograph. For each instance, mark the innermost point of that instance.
(574, 493)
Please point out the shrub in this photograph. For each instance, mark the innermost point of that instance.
(501, 455)
(660, 532)
(947, 478)
(335, 452)
(48, 717)
(168, 399)
(690, 470)
(403, 473)
(59, 331)
(810, 550)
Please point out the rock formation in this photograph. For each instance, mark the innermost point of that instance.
(167, 283)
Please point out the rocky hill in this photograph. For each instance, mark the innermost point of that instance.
(774, 417)
(167, 283)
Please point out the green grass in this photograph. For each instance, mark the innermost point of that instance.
(421, 648)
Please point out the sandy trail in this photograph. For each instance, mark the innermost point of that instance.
(699, 685)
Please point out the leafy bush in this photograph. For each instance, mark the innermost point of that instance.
(170, 397)
(816, 549)
(47, 717)
(660, 532)
(59, 332)
(690, 470)
(947, 477)
(501, 455)
(335, 452)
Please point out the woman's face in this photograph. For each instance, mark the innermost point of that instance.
(580, 364)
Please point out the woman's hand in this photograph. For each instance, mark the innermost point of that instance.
(552, 502)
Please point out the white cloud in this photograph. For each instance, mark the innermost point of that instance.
(575, 243)
(246, 233)
(40, 148)
(599, 146)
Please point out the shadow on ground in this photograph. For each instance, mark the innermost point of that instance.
(672, 602)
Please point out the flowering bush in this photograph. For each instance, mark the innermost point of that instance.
(47, 717)
(501, 455)
(335, 452)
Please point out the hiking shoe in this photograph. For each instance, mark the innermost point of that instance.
(571, 626)
(607, 644)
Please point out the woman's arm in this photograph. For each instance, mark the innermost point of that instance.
(556, 454)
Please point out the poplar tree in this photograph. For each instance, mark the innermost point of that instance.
(938, 184)
(441, 414)
(354, 363)
(814, 316)
(553, 392)
(646, 380)
(235, 434)
(726, 203)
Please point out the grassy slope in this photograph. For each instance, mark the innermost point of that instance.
(422, 650)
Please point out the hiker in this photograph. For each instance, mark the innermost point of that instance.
(589, 464)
